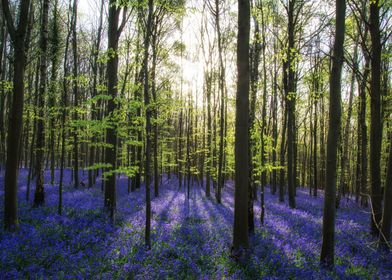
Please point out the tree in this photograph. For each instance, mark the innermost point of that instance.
(54, 40)
(254, 86)
(75, 94)
(64, 103)
(18, 36)
(346, 136)
(147, 37)
(207, 53)
(289, 87)
(263, 116)
(39, 196)
(385, 234)
(240, 229)
(328, 243)
(114, 32)
(375, 116)
(95, 54)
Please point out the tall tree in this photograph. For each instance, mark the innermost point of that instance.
(385, 234)
(263, 178)
(18, 36)
(254, 86)
(375, 115)
(240, 228)
(335, 112)
(114, 32)
(95, 64)
(216, 12)
(75, 94)
(64, 103)
(147, 171)
(54, 40)
(346, 136)
(39, 195)
(289, 87)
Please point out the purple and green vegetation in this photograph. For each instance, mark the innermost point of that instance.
(190, 238)
(188, 139)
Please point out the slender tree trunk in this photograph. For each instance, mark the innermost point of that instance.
(385, 234)
(289, 73)
(154, 46)
(254, 81)
(188, 147)
(95, 54)
(148, 123)
(54, 52)
(240, 229)
(33, 138)
(315, 166)
(111, 132)
(322, 144)
(39, 196)
(375, 117)
(3, 65)
(64, 103)
(222, 104)
(209, 132)
(76, 96)
(282, 157)
(275, 123)
(328, 243)
(364, 136)
(263, 117)
(16, 112)
(346, 138)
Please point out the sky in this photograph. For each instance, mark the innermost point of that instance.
(192, 64)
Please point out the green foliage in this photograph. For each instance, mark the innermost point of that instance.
(6, 87)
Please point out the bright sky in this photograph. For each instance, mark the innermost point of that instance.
(192, 65)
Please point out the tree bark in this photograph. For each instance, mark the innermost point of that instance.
(385, 234)
(328, 243)
(39, 195)
(111, 131)
(375, 117)
(76, 96)
(16, 112)
(148, 124)
(240, 229)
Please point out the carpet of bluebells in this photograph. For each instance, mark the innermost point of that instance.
(190, 238)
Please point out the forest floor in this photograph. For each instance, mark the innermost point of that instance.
(190, 238)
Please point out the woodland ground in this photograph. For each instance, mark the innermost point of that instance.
(190, 239)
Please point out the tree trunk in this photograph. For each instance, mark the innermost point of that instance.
(54, 52)
(148, 124)
(209, 132)
(240, 230)
(385, 234)
(346, 137)
(375, 117)
(254, 80)
(64, 103)
(39, 196)
(111, 132)
(263, 118)
(282, 157)
(328, 243)
(289, 74)
(95, 55)
(76, 96)
(16, 112)
(222, 105)
(154, 45)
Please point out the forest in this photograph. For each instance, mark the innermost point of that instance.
(190, 139)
